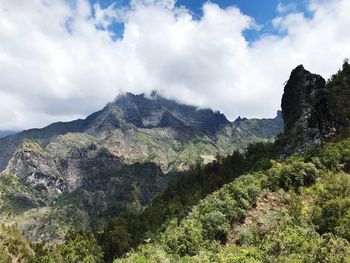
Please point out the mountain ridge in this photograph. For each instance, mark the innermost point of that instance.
(118, 158)
(187, 120)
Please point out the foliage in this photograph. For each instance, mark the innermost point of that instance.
(294, 173)
(281, 237)
(193, 218)
(332, 212)
(13, 246)
(181, 195)
(339, 94)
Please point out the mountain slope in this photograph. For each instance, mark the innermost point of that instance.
(292, 211)
(132, 124)
(6, 133)
(116, 159)
(284, 214)
(131, 129)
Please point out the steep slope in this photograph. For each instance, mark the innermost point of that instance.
(296, 210)
(257, 209)
(133, 128)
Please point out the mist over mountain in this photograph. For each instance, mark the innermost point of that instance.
(116, 159)
(6, 133)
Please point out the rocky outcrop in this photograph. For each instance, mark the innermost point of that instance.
(314, 111)
(35, 165)
(302, 93)
(144, 112)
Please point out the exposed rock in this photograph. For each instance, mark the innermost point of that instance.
(136, 129)
(126, 112)
(309, 112)
(239, 119)
(314, 111)
(302, 93)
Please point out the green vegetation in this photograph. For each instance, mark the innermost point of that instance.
(250, 206)
(13, 246)
(17, 197)
(243, 208)
(29, 145)
(178, 198)
(339, 94)
(313, 227)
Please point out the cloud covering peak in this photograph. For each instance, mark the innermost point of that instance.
(60, 60)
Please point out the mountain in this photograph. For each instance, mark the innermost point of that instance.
(116, 159)
(134, 126)
(6, 133)
(250, 206)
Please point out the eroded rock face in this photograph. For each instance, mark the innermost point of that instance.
(128, 111)
(56, 174)
(314, 111)
(36, 166)
(302, 93)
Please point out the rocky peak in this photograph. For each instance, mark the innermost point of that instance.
(156, 111)
(314, 111)
(301, 93)
(240, 119)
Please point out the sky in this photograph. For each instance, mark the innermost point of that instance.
(65, 59)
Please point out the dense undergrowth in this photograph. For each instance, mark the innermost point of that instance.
(313, 227)
(205, 215)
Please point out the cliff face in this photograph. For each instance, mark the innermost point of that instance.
(314, 111)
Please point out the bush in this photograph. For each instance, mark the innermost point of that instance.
(293, 174)
(187, 239)
(292, 242)
(80, 247)
(331, 213)
(215, 225)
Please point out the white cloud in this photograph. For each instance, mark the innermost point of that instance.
(283, 8)
(55, 64)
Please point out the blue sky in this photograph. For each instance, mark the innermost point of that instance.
(263, 11)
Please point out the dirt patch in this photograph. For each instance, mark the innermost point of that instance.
(208, 159)
(268, 203)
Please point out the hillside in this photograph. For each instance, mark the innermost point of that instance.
(6, 133)
(295, 210)
(79, 174)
